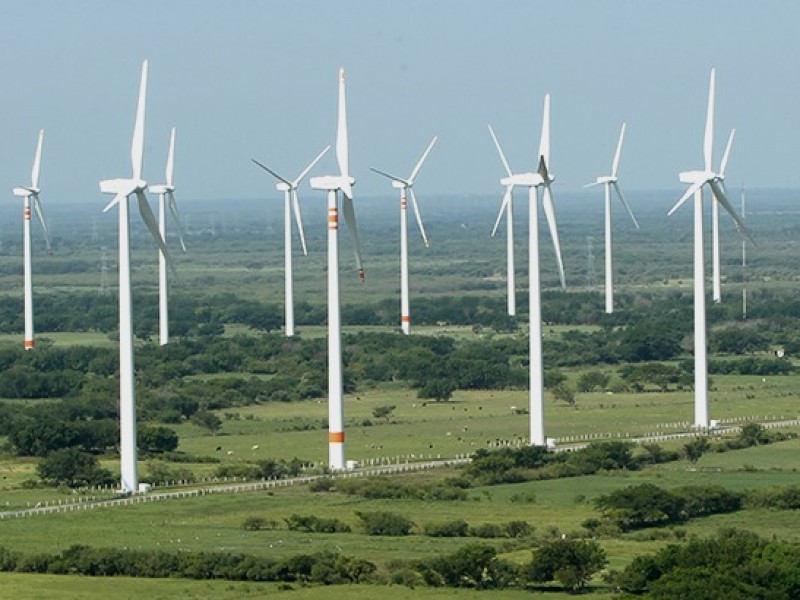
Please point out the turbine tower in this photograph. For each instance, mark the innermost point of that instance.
(406, 187)
(290, 203)
(333, 184)
(507, 208)
(122, 189)
(541, 178)
(608, 182)
(166, 195)
(30, 197)
(697, 179)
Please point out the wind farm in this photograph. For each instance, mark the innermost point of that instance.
(260, 419)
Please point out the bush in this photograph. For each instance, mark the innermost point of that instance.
(385, 523)
(458, 528)
(570, 562)
(487, 530)
(313, 524)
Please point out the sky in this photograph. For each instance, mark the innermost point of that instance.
(248, 78)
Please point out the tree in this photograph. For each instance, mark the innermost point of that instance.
(71, 467)
(383, 412)
(640, 505)
(593, 381)
(440, 390)
(564, 393)
(157, 440)
(570, 562)
(695, 448)
(207, 420)
(752, 434)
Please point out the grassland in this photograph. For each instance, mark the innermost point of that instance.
(245, 258)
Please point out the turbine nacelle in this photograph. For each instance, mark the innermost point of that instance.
(122, 186)
(523, 179)
(399, 185)
(282, 186)
(692, 177)
(161, 188)
(24, 192)
(604, 179)
(333, 183)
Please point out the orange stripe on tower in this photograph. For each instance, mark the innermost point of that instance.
(333, 219)
(29, 344)
(405, 319)
(27, 214)
(336, 437)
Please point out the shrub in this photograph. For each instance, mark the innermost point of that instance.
(385, 523)
(458, 528)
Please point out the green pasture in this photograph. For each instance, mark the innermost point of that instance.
(71, 587)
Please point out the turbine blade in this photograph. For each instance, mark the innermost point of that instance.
(708, 140)
(422, 159)
(503, 207)
(549, 212)
(170, 159)
(419, 218)
(173, 208)
(724, 164)
(309, 167)
(273, 173)
(137, 144)
(624, 202)
(37, 161)
(544, 140)
(298, 219)
(686, 195)
(342, 152)
(618, 153)
(722, 198)
(500, 151)
(390, 176)
(37, 205)
(350, 218)
(593, 184)
(114, 201)
(150, 220)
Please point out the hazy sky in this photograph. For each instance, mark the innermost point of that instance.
(258, 78)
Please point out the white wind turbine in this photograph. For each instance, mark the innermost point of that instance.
(507, 207)
(698, 179)
(609, 181)
(533, 181)
(333, 184)
(30, 196)
(406, 187)
(166, 196)
(290, 203)
(122, 189)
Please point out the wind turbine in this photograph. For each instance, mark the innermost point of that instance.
(30, 196)
(333, 184)
(507, 207)
(698, 179)
(609, 181)
(406, 187)
(122, 189)
(290, 202)
(166, 195)
(541, 178)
